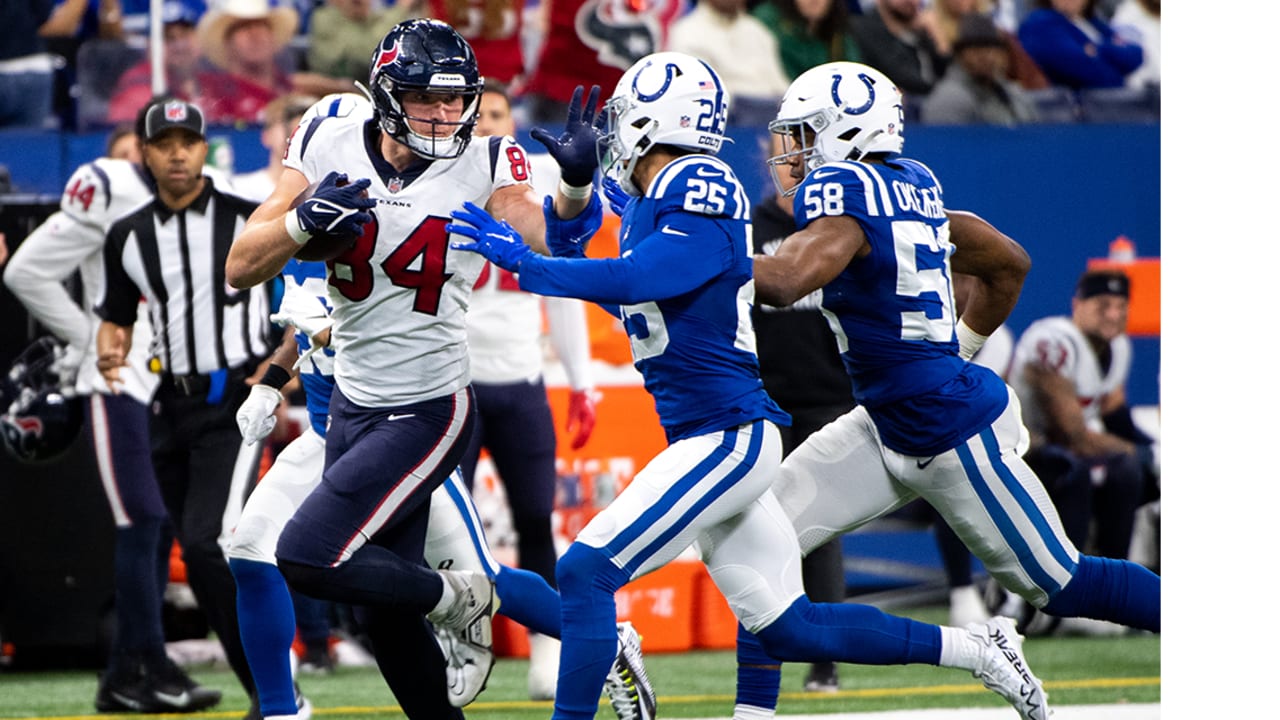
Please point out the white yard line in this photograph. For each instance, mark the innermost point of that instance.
(1060, 712)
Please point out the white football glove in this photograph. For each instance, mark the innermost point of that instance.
(257, 414)
(306, 313)
(68, 368)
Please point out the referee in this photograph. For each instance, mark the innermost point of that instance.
(209, 338)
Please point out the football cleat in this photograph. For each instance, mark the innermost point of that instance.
(627, 685)
(1003, 668)
(466, 669)
(160, 688)
(464, 629)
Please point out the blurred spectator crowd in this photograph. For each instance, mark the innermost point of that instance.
(87, 64)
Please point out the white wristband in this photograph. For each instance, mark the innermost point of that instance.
(970, 341)
(576, 193)
(294, 228)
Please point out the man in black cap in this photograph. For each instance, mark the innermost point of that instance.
(976, 88)
(1070, 375)
(209, 338)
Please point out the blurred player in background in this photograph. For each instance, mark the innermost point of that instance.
(139, 676)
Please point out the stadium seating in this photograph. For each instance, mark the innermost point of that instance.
(1119, 105)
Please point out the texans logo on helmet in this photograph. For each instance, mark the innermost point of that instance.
(386, 56)
(22, 433)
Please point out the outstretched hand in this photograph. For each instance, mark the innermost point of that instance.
(495, 239)
(617, 197)
(575, 148)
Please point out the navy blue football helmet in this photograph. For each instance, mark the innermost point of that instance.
(429, 56)
(39, 422)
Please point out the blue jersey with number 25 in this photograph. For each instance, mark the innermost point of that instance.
(682, 288)
(893, 310)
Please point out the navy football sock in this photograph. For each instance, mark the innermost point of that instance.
(267, 626)
(529, 600)
(138, 605)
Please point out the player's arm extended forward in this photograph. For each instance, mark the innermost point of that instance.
(261, 250)
(808, 259)
(998, 264)
(520, 206)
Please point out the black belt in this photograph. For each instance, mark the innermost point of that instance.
(199, 384)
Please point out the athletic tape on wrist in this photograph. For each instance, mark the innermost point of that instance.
(969, 340)
(576, 193)
(294, 227)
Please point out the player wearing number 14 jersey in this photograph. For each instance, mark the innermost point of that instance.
(401, 412)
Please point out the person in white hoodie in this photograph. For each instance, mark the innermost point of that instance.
(139, 676)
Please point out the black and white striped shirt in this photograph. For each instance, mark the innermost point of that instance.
(176, 261)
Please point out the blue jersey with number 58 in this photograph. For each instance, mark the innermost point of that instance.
(893, 310)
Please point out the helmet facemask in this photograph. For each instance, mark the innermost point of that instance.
(454, 136)
(628, 136)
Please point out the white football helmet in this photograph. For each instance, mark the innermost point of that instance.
(666, 98)
(837, 111)
(340, 105)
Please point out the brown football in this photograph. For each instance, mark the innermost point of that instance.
(323, 246)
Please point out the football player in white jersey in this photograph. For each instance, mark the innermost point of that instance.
(139, 675)
(1070, 375)
(401, 412)
(683, 288)
(874, 236)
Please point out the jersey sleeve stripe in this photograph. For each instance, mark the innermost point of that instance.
(106, 183)
(495, 144)
(311, 131)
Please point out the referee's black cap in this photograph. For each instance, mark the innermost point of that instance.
(171, 114)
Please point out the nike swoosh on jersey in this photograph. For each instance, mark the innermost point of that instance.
(820, 174)
(672, 231)
(709, 173)
(394, 417)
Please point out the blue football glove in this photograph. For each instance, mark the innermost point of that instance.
(617, 197)
(336, 209)
(575, 148)
(569, 238)
(497, 241)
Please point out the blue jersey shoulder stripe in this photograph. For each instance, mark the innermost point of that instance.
(495, 143)
(311, 131)
(106, 181)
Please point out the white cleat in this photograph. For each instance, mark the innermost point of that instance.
(628, 685)
(1004, 668)
(466, 668)
(464, 629)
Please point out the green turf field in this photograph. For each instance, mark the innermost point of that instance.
(1076, 670)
